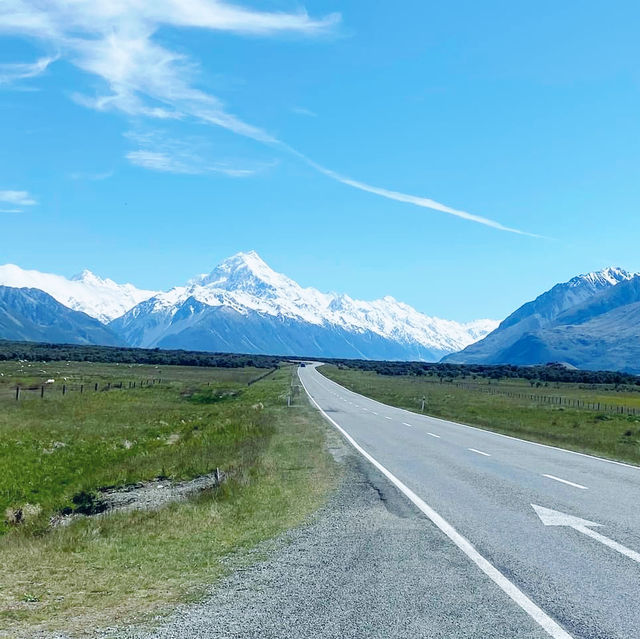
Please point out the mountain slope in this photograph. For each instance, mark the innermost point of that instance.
(243, 305)
(33, 315)
(602, 333)
(100, 298)
(575, 322)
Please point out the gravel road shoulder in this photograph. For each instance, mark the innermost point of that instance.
(368, 565)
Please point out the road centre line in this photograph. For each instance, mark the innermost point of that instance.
(482, 430)
(475, 450)
(566, 481)
(552, 628)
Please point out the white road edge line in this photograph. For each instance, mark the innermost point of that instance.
(475, 450)
(566, 481)
(433, 435)
(483, 430)
(552, 628)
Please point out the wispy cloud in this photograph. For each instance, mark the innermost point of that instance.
(17, 198)
(303, 111)
(407, 198)
(116, 42)
(10, 210)
(93, 177)
(22, 70)
(158, 152)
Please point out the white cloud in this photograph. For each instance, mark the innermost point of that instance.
(417, 200)
(17, 198)
(20, 71)
(303, 111)
(116, 42)
(94, 177)
(157, 152)
(10, 210)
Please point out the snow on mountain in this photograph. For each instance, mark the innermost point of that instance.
(518, 339)
(246, 285)
(100, 298)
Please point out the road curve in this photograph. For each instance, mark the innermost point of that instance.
(572, 563)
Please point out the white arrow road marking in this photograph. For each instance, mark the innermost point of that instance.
(551, 517)
(552, 628)
(475, 450)
(565, 481)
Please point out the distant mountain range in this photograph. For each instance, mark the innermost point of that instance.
(28, 314)
(100, 298)
(243, 306)
(591, 322)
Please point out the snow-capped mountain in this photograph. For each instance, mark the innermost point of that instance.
(533, 333)
(244, 305)
(100, 298)
(29, 314)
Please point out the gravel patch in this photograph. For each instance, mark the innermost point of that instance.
(149, 495)
(368, 565)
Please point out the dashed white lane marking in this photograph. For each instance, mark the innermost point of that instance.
(434, 435)
(389, 418)
(552, 628)
(565, 481)
(405, 424)
(374, 412)
(475, 450)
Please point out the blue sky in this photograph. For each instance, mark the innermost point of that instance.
(147, 143)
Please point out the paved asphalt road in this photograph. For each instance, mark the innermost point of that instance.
(570, 577)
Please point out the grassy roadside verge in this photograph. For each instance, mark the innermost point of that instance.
(123, 568)
(607, 435)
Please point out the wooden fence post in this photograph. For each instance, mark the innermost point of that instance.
(17, 393)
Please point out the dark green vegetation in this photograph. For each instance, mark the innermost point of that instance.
(547, 373)
(121, 567)
(36, 351)
(606, 434)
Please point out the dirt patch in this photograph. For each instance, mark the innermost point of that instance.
(149, 495)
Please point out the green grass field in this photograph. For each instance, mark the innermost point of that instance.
(122, 567)
(600, 433)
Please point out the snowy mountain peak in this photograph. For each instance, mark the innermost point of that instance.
(609, 276)
(248, 286)
(87, 276)
(100, 298)
(247, 272)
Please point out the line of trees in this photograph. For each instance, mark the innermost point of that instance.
(552, 372)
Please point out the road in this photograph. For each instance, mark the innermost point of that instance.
(571, 563)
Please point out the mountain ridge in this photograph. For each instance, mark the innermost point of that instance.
(582, 321)
(101, 298)
(244, 283)
(30, 314)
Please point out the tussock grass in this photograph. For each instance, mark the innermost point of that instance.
(123, 567)
(608, 435)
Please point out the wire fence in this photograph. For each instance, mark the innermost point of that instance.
(557, 400)
(42, 391)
